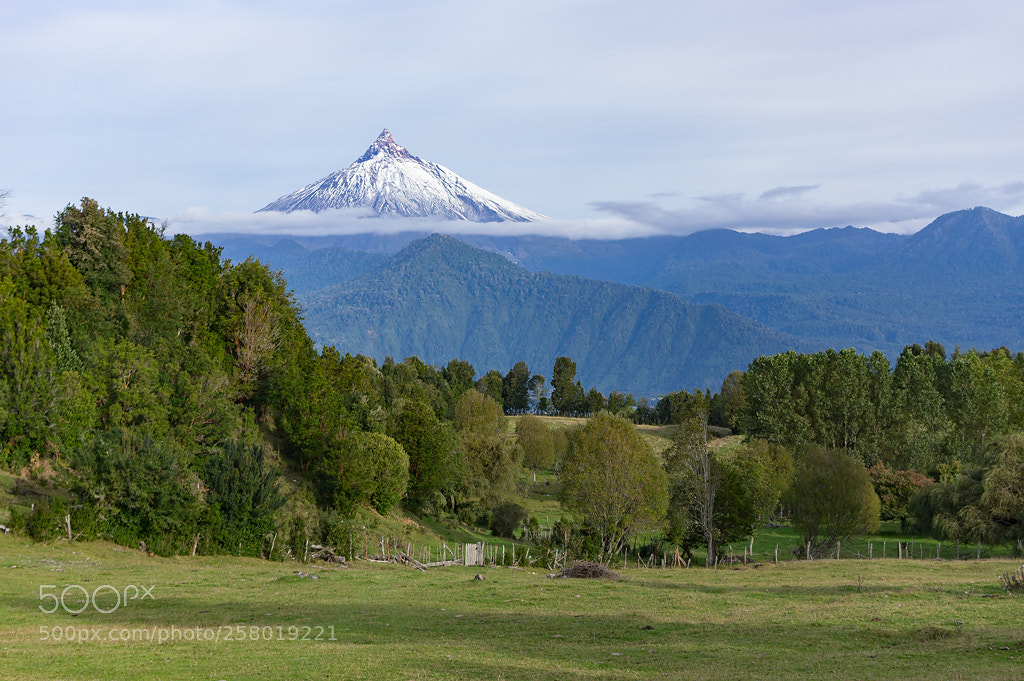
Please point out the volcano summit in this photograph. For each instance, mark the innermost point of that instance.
(392, 182)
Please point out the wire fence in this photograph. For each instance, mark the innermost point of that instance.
(442, 554)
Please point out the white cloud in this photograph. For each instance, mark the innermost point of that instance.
(786, 210)
(10, 220)
(781, 210)
(199, 221)
(787, 192)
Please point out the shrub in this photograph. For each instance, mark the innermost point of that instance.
(242, 494)
(366, 468)
(135, 489)
(506, 518)
(895, 489)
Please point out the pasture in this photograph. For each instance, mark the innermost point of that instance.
(226, 617)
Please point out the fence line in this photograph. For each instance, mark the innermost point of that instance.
(495, 554)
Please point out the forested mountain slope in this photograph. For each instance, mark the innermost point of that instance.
(956, 281)
(439, 298)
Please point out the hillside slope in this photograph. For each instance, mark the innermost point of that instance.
(440, 299)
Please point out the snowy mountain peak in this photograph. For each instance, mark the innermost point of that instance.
(384, 144)
(392, 182)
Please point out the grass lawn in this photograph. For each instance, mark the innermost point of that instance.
(856, 619)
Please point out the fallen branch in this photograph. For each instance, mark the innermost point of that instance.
(404, 559)
(326, 554)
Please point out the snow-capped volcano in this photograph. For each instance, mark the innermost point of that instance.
(391, 181)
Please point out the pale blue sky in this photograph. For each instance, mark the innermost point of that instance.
(614, 118)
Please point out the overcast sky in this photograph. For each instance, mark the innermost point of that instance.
(614, 118)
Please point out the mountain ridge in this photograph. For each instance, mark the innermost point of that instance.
(440, 299)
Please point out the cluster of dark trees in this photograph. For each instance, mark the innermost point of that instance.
(519, 392)
(135, 367)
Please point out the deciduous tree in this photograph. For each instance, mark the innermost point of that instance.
(612, 478)
(537, 442)
(708, 504)
(492, 459)
(831, 499)
(365, 468)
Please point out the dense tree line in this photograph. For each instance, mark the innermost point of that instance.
(939, 435)
(837, 442)
(925, 412)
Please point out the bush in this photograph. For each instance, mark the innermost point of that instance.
(46, 521)
(135, 489)
(895, 489)
(472, 514)
(337, 531)
(242, 494)
(366, 468)
(575, 539)
(719, 431)
(506, 518)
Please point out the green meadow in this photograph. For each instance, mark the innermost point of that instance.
(225, 617)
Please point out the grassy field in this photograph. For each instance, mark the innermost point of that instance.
(853, 619)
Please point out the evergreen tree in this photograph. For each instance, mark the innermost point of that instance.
(566, 396)
(242, 494)
(515, 390)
